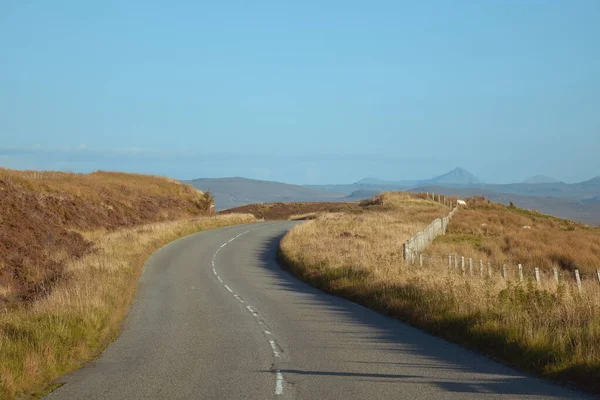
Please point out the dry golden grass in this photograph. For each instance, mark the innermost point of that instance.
(91, 187)
(552, 330)
(495, 232)
(81, 313)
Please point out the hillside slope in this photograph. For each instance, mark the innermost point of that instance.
(43, 214)
(233, 192)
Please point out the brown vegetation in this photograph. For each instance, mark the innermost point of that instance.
(43, 214)
(283, 211)
(551, 330)
(60, 331)
(71, 249)
(510, 235)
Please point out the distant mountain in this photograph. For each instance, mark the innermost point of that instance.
(458, 176)
(362, 194)
(540, 179)
(374, 181)
(592, 183)
(233, 192)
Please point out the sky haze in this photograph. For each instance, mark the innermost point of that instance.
(302, 92)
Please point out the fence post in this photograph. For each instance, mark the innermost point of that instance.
(450, 262)
(537, 275)
(462, 263)
(520, 273)
(470, 266)
(455, 260)
(555, 270)
(504, 271)
(578, 279)
(489, 269)
(420, 259)
(480, 268)
(598, 273)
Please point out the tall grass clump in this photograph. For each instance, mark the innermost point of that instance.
(551, 330)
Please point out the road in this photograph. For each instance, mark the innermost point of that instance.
(215, 317)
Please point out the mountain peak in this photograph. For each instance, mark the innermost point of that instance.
(458, 176)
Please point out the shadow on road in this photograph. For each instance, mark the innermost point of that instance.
(395, 336)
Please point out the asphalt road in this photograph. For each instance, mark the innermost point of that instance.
(216, 318)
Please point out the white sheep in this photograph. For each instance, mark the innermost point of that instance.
(461, 203)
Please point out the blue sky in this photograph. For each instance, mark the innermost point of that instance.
(302, 92)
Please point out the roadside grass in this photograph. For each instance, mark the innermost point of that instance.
(42, 340)
(550, 331)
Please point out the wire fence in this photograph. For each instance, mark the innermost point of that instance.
(414, 254)
(547, 279)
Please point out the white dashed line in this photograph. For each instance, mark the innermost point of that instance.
(274, 347)
(278, 375)
(278, 383)
(239, 298)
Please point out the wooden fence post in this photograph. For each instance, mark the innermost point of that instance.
(455, 260)
(520, 273)
(537, 275)
(555, 270)
(578, 279)
(598, 273)
(462, 263)
(504, 271)
(420, 259)
(489, 269)
(450, 261)
(470, 266)
(481, 268)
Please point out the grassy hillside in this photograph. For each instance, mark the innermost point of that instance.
(71, 251)
(583, 211)
(43, 214)
(496, 233)
(551, 330)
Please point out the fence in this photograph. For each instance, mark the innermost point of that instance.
(416, 244)
(518, 274)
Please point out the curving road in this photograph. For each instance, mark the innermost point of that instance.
(216, 318)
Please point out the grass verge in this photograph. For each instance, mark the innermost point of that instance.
(57, 333)
(552, 333)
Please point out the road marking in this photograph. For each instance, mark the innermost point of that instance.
(276, 352)
(239, 298)
(274, 347)
(278, 383)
